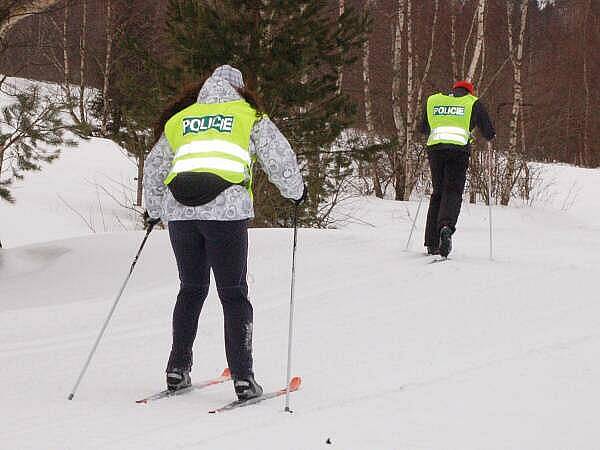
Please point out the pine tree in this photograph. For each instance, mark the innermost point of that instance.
(31, 132)
(290, 53)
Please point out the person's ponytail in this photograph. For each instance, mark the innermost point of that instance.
(252, 98)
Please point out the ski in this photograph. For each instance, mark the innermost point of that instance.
(224, 377)
(293, 386)
(439, 260)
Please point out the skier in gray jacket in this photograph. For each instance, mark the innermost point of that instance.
(197, 178)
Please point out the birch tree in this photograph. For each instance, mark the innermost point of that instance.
(342, 10)
(479, 19)
(60, 56)
(397, 78)
(62, 61)
(368, 105)
(410, 106)
(414, 160)
(471, 64)
(408, 161)
(454, 4)
(516, 56)
(109, 35)
(83, 60)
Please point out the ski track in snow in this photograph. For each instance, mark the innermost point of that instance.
(394, 353)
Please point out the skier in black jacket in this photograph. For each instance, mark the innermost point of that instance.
(448, 119)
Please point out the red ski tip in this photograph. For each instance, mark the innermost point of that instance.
(295, 383)
(226, 372)
(142, 401)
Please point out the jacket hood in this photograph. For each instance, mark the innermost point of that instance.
(217, 90)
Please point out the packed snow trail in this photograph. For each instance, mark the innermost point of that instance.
(393, 352)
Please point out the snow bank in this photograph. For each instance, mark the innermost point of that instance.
(89, 189)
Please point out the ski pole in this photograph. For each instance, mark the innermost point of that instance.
(490, 167)
(291, 327)
(414, 224)
(112, 310)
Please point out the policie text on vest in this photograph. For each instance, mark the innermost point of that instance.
(448, 110)
(223, 124)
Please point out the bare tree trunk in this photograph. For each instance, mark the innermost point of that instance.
(340, 80)
(466, 46)
(399, 174)
(512, 142)
(473, 171)
(413, 106)
(427, 68)
(82, 61)
(475, 61)
(368, 102)
(410, 101)
(21, 10)
(140, 176)
(63, 64)
(476, 170)
(478, 41)
(66, 62)
(586, 160)
(479, 81)
(107, 67)
(453, 12)
(517, 59)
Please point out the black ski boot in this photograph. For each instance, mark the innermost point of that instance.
(445, 241)
(433, 250)
(247, 388)
(178, 379)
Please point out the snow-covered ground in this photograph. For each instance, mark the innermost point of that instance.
(87, 190)
(394, 353)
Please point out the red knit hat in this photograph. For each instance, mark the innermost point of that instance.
(464, 84)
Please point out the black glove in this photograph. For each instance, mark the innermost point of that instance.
(150, 221)
(304, 195)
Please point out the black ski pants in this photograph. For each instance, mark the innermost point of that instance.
(448, 176)
(200, 245)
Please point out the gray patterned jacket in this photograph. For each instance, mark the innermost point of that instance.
(267, 144)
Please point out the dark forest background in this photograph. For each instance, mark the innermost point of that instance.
(336, 64)
(561, 64)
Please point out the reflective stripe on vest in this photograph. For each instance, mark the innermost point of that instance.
(450, 134)
(450, 119)
(213, 138)
(201, 148)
